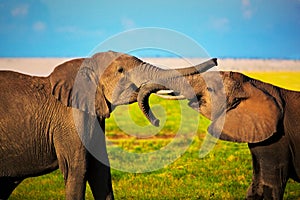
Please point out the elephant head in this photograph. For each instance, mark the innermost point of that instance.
(108, 79)
(242, 109)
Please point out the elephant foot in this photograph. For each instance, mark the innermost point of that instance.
(259, 192)
(255, 192)
(110, 196)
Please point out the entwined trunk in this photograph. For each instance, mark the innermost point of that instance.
(169, 79)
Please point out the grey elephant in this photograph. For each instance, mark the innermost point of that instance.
(58, 121)
(243, 109)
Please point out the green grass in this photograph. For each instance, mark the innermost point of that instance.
(225, 173)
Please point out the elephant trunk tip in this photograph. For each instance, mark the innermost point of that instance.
(155, 122)
(215, 61)
(144, 106)
(143, 101)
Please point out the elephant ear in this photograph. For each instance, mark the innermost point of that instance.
(253, 120)
(76, 84)
(62, 80)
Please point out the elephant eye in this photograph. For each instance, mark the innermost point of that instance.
(236, 102)
(209, 89)
(120, 69)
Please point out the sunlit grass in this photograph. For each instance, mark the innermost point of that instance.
(288, 80)
(225, 173)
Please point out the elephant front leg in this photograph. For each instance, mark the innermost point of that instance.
(270, 174)
(255, 191)
(261, 190)
(99, 178)
(74, 168)
(98, 174)
(75, 187)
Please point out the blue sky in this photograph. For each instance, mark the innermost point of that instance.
(225, 28)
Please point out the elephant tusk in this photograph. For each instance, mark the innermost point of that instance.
(167, 94)
(168, 97)
(162, 92)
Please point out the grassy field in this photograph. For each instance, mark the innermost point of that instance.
(225, 173)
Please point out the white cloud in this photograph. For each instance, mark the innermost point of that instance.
(246, 3)
(127, 23)
(220, 24)
(74, 30)
(247, 14)
(246, 9)
(67, 29)
(39, 26)
(20, 10)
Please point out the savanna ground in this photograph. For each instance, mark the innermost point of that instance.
(225, 173)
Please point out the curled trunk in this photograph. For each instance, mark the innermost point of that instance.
(172, 80)
(143, 101)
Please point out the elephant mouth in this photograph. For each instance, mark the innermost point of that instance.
(133, 97)
(125, 96)
(196, 102)
(127, 100)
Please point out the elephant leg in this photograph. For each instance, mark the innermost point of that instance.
(270, 174)
(74, 171)
(75, 186)
(99, 179)
(262, 189)
(98, 175)
(255, 191)
(73, 165)
(7, 186)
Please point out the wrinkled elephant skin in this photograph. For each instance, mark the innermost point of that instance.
(264, 116)
(58, 121)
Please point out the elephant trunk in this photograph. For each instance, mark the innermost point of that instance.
(156, 74)
(143, 101)
(180, 85)
(168, 79)
(172, 73)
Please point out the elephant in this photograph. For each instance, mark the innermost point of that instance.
(58, 121)
(246, 110)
